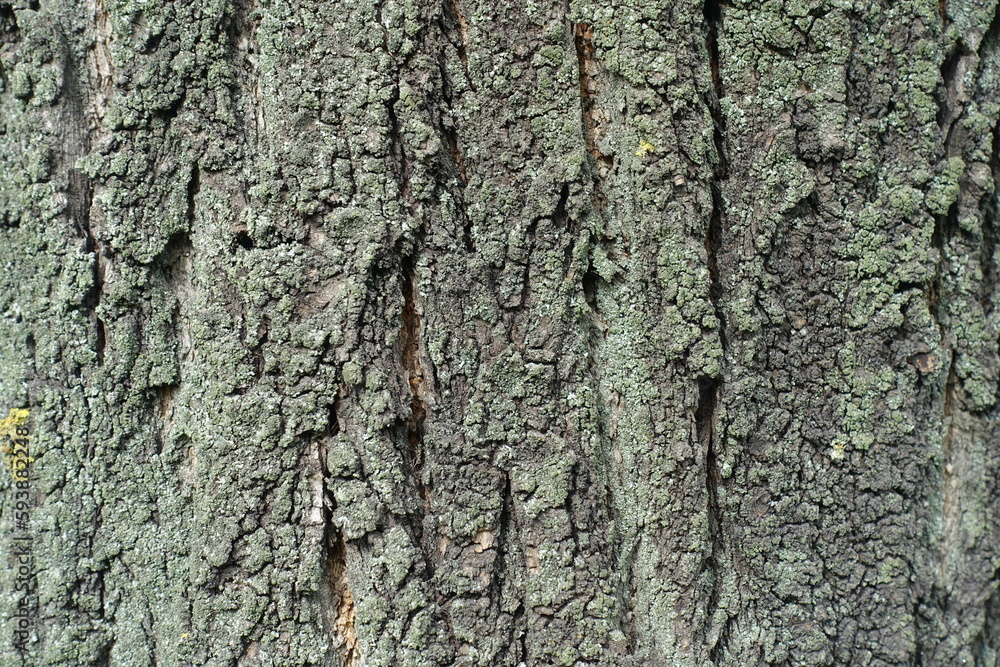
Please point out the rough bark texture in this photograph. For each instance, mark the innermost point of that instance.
(407, 332)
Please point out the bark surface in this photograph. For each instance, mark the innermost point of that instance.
(397, 332)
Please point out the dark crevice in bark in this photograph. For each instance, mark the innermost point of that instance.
(504, 525)
(991, 217)
(173, 109)
(165, 401)
(333, 419)
(103, 657)
(988, 286)
(81, 197)
(945, 228)
(705, 418)
(461, 45)
(951, 106)
(80, 191)
(174, 263)
(9, 30)
(340, 604)
(628, 591)
(713, 241)
(463, 32)
(713, 236)
(257, 351)
(470, 245)
(986, 645)
(713, 20)
(411, 361)
(455, 166)
(569, 509)
(344, 619)
(101, 341)
(603, 164)
(588, 68)
(397, 154)
(590, 279)
(560, 216)
(456, 153)
(520, 624)
(507, 529)
(243, 240)
(410, 339)
(193, 188)
(991, 37)
(242, 32)
(709, 388)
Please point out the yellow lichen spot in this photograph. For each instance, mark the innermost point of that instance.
(184, 635)
(645, 148)
(15, 419)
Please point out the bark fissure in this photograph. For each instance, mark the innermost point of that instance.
(410, 339)
(101, 64)
(462, 45)
(8, 23)
(713, 20)
(710, 388)
(397, 151)
(591, 116)
(175, 264)
(591, 352)
(242, 31)
(588, 66)
(705, 426)
(340, 609)
(79, 186)
(193, 188)
(450, 133)
(952, 105)
(344, 614)
(986, 644)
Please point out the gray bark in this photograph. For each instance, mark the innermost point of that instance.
(447, 333)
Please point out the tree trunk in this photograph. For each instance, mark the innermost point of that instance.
(387, 332)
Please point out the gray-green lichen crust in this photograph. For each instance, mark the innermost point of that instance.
(415, 333)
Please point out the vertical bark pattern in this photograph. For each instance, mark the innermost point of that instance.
(428, 333)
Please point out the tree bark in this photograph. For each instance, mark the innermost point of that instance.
(452, 333)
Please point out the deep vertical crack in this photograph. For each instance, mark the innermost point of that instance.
(591, 116)
(713, 20)
(397, 153)
(193, 188)
(341, 600)
(454, 163)
(452, 9)
(710, 388)
(344, 617)
(80, 188)
(410, 338)
(9, 30)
